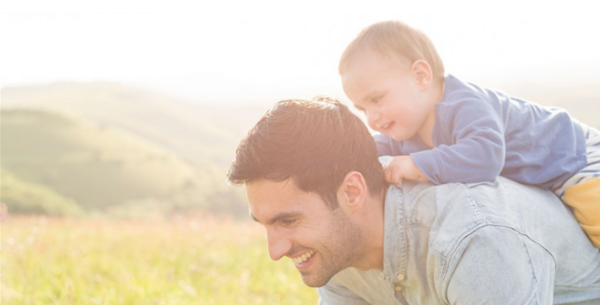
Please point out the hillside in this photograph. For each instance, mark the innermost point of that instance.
(106, 144)
(200, 135)
(32, 198)
(97, 165)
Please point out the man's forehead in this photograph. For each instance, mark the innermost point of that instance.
(269, 190)
(263, 194)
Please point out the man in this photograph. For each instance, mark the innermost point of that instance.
(314, 181)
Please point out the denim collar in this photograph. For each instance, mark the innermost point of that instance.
(395, 252)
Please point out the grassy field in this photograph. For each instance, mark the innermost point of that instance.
(186, 261)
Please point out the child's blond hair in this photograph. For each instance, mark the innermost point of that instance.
(394, 39)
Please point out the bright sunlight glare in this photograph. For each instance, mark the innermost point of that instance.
(231, 56)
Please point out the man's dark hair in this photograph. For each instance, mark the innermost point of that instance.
(313, 143)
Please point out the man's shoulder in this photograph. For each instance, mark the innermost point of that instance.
(445, 213)
(455, 210)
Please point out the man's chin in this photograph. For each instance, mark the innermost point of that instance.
(314, 281)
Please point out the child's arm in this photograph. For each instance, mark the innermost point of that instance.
(402, 167)
(397, 165)
(470, 147)
(475, 147)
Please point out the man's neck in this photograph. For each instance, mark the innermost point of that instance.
(373, 231)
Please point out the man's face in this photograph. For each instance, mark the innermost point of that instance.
(299, 225)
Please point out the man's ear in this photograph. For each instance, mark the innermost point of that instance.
(421, 71)
(353, 192)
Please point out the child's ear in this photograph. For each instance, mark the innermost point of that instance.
(421, 70)
(352, 192)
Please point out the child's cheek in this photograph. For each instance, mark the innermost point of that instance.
(372, 125)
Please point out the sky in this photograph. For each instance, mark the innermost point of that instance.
(251, 51)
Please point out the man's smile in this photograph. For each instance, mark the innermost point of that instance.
(301, 260)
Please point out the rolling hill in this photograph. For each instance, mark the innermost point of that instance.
(97, 165)
(200, 135)
(108, 145)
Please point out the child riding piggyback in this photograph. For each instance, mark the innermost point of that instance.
(441, 129)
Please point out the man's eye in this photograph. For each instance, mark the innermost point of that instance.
(288, 222)
(376, 100)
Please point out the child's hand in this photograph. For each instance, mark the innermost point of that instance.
(401, 167)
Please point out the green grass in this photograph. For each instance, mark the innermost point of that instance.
(184, 261)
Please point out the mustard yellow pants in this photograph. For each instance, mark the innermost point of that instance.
(584, 198)
(582, 190)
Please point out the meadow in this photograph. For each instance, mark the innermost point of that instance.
(198, 260)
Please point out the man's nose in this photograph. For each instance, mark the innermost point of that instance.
(279, 245)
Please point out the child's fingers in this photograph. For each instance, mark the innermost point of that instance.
(392, 175)
(387, 174)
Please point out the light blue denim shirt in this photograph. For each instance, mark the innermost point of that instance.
(485, 243)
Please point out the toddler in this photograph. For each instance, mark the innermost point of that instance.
(441, 129)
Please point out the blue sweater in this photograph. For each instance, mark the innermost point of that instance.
(481, 133)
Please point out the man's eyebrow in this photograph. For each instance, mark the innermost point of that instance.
(276, 218)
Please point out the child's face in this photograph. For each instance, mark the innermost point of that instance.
(389, 94)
